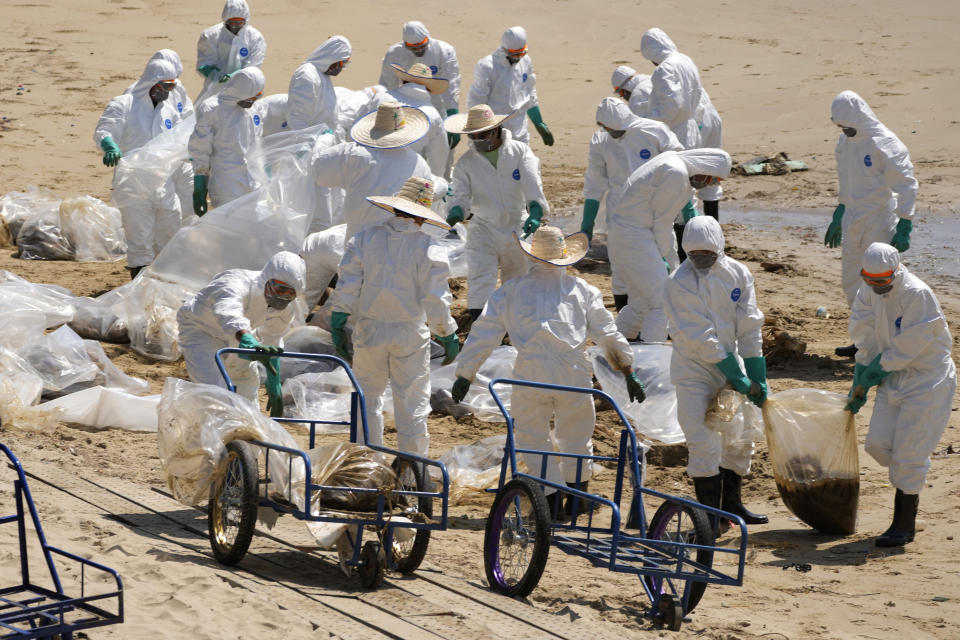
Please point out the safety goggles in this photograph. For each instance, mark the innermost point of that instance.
(167, 85)
(482, 135)
(417, 47)
(877, 279)
(236, 22)
(280, 289)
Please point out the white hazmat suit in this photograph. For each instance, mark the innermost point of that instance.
(439, 56)
(149, 218)
(322, 252)
(234, 301)
(393, 282)
(219, 47)
(433, 146)
(505, 87)
(640, 233)
(311, 98)
(876, 184)
(637, 84)
(273, 113)
(711, 314)
(224, 136)
(711, 137)
(675, 87)
(907, 329)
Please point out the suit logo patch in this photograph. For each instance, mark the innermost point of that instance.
(516, 174)
(867, 160)
(735, 294)
(168, 123)
(244, 51)
(645, 154)
(256, 120)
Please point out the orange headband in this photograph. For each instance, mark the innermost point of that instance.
(523, 49)
(417, 44)
(876, 275)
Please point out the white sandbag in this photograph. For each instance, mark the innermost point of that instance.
(17, 206)
(55, 303)
(102, 407)
(94, 229)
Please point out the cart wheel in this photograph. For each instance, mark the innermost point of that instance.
(670, 612)
(681, 523)
(232, 511)
(408, 554)
(372, 562)
(517, 538)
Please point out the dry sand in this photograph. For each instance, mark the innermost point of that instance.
(771, 71)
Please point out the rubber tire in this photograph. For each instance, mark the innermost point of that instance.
(518, 487)
(703, 534)
(409, 563)
(671, 612)
(372, 563)
(231, 554)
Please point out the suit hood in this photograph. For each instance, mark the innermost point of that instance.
(655, 45)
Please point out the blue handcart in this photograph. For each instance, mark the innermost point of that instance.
(28, 610)
(236, 497)
(673, 556)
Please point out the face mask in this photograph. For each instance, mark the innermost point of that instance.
(882, 290)
(702, 262)
(335, 69)
(278, 295)
(276, 302)
(234, 27)
(616, 134)
(849, 131)
(246, 104)
(490, 142)
(158, 94)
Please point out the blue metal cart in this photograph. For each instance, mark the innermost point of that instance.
(235, 498)
(673, 555)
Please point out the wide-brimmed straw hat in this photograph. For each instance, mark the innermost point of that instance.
(548, 244)
(421, 74)
(479, 118)
(391, 126)
(415, 198)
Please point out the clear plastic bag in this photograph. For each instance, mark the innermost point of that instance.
(61, 360)
(478, 399)
(473, 468)
(319, 396)
(41, 238)
(55, 303)
(151, 309)
(345, 464)
(106, 408)
(102, 318)
(812, 442)
(94, 229)
(736, 418)
(306, 339)
(17, 206)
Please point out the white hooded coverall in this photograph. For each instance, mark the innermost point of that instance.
(877, 186)
(505, 87)
(224, 136)
(639, 86)
(393, 282)
(150, 209)
(439, 56)
(433, 146)
(640, 233)
(549, 315)
(273, 113)
(311, 98)
(219, 47)
(232, 302)
(711, 314)
(675, 87)
(907, 328)
(497, 198)
(711, 137)
(322, 252)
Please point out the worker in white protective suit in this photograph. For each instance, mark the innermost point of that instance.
(674, 87)
(150, 212)
(378, 160)
(504, 80)
(623, 144)
(550, 314)
(495, 182)
(393, 282)
(322, 252)
(877, 191)
(248, 309)
(633, 87)
(640, 237)
(418, 85)
(311, 98)
(227, 129)
(272, 110)
(226, 47)
(715, 326)
(711, 137)
(904, 349)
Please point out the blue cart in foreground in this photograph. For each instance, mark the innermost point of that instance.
(401, 522)
(29, 610)
(673, 556)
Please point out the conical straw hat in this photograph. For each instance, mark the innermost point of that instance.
(479, 118)
(549, 245)
(415, 198)
(391, 126)
(421, 74)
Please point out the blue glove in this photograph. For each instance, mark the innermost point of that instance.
(834, 235)
(537, 119)
(757, 372)
(111, 152)
(338, 323)
(635, 390)
(590, 209)
(689, 211)
(731, 369)
(532, 223)
(207, 69)
(274, 389)
(453, 139)
(200, 194)
(455, 215)
(901, 239)
(451, 346)
(873, 374)
(460, 388)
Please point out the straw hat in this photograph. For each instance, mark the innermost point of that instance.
(421, 74)
(480, 118)
(549, 245)
(415, 198)
(391, 126)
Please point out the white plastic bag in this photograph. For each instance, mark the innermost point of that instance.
(61, 360)
(94, 229)
(319, 396)
(101, 407)
(473, 468)
(55, 303)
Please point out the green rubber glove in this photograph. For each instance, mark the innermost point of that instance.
(532, 223)
(455, 215)
(247, 341)
(264, 353)
(451, 346)
(537, 118)
(590, 209)
(689, 211)
(226, 76)
(874, 373)
(111, 152)
(901, 239)
(858, 397)
(274, 389)
(731, 369)
(200, 194)
(666, 264)
(635, 389)
(834, 235)
(207, 69)
(858, 370)
(460, 387)
(338, 323)
(757, 372)
(453, 139)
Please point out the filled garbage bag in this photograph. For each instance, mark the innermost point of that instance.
(812, 442)
(734, 417)
(55, 303)
(93, 229)
(41, 238)
(17, 206)
(318, 395)
(102, 318)
(61, 360)
(345, 464)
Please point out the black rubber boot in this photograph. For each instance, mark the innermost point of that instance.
(732, 502)
(678, 231)
(619, 301)
(583, 506)
(708, 492)
(904, 524)
(555, 502)
(712, 208)
(846, 352)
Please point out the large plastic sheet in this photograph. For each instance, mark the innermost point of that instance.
(55, 303)
(102, 407)
(478, 399)
(656, 417)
